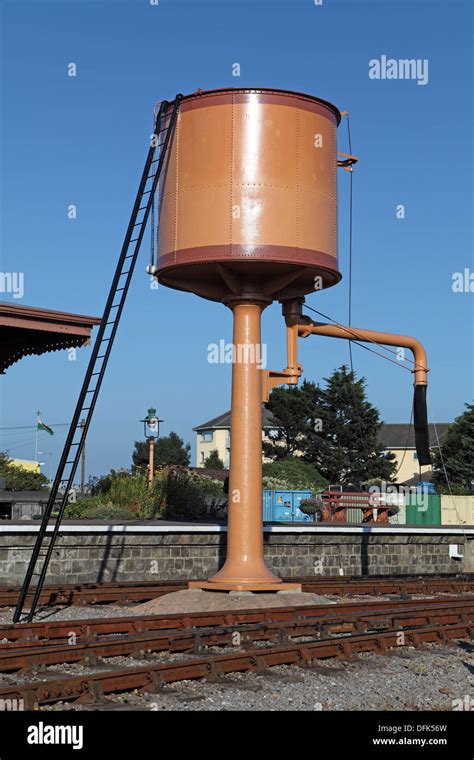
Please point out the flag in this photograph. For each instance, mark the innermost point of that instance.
(42, 426)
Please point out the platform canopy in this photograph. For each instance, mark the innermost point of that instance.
(27, 330)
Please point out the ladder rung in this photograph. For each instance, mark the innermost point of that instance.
(134, 240)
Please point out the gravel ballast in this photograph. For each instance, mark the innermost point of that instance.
(431, 678)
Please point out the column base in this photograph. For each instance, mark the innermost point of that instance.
(243, 586)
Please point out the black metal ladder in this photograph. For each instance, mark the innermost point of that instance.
(63, 482)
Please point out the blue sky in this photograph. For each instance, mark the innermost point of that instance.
(83, 141)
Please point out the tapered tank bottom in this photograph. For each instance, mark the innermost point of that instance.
(244, 568)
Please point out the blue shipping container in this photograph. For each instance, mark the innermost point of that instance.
(283, 506)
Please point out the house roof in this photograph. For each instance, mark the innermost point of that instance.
(26, 330)
(210, 473)
(398, 435)
(413, 481)
(24, 496)
(393, 435)
(223, 421)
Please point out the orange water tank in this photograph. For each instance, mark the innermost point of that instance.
(248, 199)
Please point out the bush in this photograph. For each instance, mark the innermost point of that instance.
(76, 510)
(107, 512)
(292, 473)
(127, 497)
(188, 496)
(131, 492)
(456, 489)
(177, 494)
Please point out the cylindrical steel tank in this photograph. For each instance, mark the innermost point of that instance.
(248, 199)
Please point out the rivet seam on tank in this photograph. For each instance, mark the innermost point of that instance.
(231, 175)
(249, 184)
(176, 173)
(297, 189)
(304, 255)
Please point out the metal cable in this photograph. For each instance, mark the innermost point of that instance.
(397, 363)
(446, 474)
(406, 444)
(350, 240)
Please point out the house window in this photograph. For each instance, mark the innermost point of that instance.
(202, 457)
(206, 436)
(415, 455)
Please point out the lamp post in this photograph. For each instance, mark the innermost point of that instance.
(151, 428)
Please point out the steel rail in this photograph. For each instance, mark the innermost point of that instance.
(129, 592)
(60, 629)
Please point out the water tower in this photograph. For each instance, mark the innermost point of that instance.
(248, 215)
(247, 197)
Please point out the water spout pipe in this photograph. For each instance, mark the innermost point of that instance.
(303, 326)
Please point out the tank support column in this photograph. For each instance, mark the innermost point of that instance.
(245, 568)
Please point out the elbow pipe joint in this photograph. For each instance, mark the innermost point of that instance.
(304, 326)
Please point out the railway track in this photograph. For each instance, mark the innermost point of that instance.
(312, 623)
(60, 629)
(137, 592)
(95, 593)
(258, 640)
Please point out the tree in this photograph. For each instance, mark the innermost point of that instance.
(347, 447)
(292, 409)
(334, 428)
(20, 479)
(172, 450)
(169, 449)
(213, 461)
(457, 454)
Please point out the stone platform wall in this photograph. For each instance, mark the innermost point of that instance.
(156, 551)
